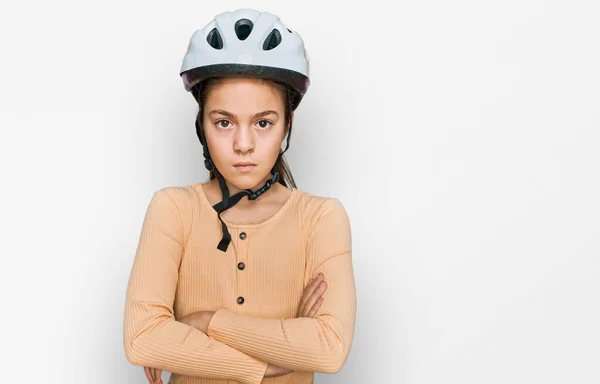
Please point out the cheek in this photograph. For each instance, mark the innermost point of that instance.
(216, 146)
(272, 147)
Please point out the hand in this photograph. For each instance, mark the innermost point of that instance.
(198, 320)
(275, 371)
(312, 297)
(153, 375)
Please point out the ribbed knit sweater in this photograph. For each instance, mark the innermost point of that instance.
(255, 288)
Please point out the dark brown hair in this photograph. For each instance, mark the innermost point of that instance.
(290, 101)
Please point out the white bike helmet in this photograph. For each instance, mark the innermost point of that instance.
(247, 42)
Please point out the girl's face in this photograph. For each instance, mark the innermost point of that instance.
(244, 123)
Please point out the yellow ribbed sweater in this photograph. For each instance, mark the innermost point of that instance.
(178, 270)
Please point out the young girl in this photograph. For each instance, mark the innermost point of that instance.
(228, 282)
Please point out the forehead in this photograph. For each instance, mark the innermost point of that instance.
(244, 94)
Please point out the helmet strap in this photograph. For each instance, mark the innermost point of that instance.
(228, 202)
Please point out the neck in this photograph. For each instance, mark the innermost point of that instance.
(233, 190)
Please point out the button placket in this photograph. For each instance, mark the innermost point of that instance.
(242, 259)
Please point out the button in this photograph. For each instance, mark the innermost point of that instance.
(243, 235)
(241, 266)
(240, 300)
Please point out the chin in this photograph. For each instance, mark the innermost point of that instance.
(246, 181)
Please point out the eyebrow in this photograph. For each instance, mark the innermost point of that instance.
(231, 115)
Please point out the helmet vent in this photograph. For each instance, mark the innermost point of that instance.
(272, 41)
(214, 39)
(243, 27)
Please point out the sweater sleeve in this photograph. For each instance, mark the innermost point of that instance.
(151, 335)
(318, 344)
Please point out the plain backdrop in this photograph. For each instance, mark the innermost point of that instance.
(461, 136)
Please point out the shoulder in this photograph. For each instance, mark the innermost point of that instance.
(179, 196)
(178, 199)
(315, 208)
(178, 203)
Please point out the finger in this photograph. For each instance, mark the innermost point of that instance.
(148, 375)
(310, 287)
(159, 376)
(156, 375)
(318, 292)
(315, 308)
(153, 373)
(314, 297)
(313, 311)
(305, 295)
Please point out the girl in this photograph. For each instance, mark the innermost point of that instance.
(228, 282)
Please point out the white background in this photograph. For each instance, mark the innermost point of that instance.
(461, 136)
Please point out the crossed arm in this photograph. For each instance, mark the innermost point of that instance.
(236, 347)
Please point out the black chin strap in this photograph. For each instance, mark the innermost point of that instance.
(228, 202)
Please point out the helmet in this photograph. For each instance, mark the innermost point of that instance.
(244, 43)
(247, 42)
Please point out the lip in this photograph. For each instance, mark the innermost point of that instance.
(244, 167)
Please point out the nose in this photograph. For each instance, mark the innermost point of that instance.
(243, 140)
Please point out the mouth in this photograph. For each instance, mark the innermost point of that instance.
(244, 166)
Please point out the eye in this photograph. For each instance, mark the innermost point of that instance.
(218, 123)
(262, 124)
